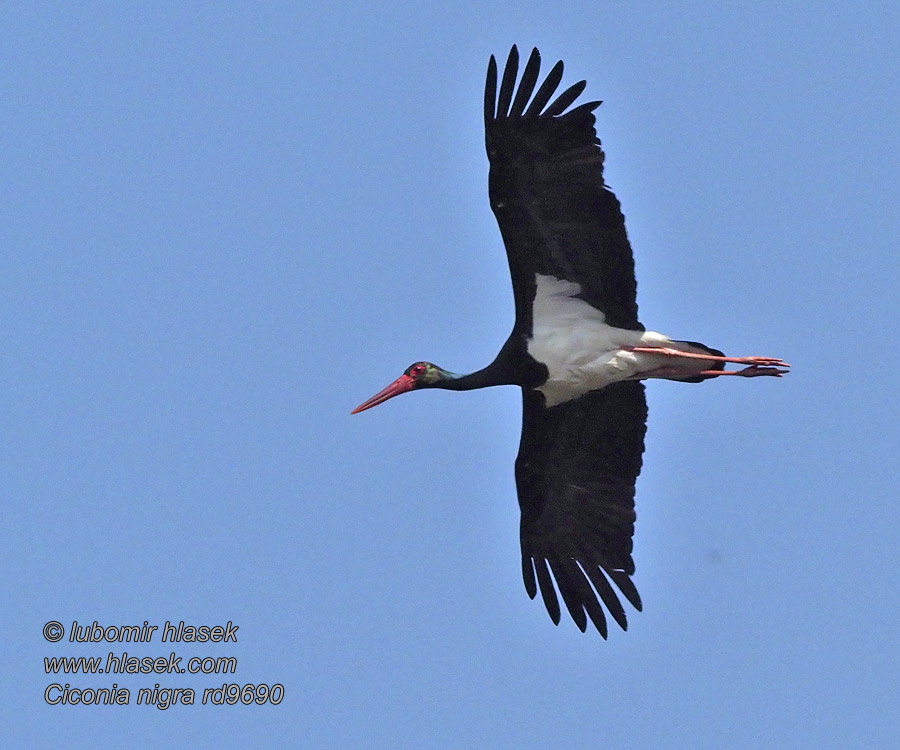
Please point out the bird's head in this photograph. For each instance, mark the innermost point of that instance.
(417, 375)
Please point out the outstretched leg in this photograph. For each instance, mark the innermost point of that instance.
(759, 362)
(673, 373)
(753, 371)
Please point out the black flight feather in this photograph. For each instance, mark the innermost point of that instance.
(578, 461)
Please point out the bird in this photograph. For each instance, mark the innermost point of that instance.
(577, 348)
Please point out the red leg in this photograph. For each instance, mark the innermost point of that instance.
(754, 361)
(753, 371)
(673, 373)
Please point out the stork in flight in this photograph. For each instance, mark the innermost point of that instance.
(577, 349)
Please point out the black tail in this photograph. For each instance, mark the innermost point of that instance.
(708, 350)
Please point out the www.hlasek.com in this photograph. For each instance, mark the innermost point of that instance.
(123, 663)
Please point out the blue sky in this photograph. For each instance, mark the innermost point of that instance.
(222, 229)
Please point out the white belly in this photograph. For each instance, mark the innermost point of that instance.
(582, 353)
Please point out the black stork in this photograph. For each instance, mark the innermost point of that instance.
(577, 349)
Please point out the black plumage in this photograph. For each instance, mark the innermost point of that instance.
(577, 348)
(578, 461)
(575, 475)
(546, 188)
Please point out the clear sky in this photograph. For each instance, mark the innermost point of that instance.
(223, 226)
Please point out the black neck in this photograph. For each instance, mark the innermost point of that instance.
(512, 366)
(484, 378)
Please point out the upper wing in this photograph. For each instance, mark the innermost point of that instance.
(546, 189)
(575, 474)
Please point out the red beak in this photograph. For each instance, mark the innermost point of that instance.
(401, 385)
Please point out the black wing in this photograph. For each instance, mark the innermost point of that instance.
(575, 474)
(546, 187)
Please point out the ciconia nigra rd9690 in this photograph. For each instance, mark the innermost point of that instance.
(577, 349)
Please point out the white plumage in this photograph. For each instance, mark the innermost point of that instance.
(582, 353)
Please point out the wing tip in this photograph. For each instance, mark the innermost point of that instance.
(590, 597)
(530, 76)
(490, 91)
(528, 576)
(507, 83)
(565, 99)
(548, 593)
(622, 579)
(509, 105)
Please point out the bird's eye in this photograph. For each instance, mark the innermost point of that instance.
(417, 370)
